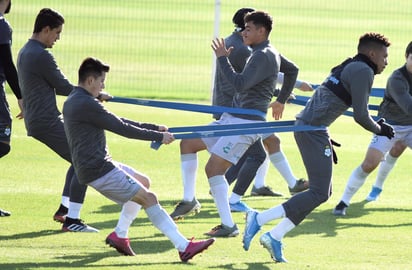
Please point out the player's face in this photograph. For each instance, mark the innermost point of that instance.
(251, 34)
(97, 84)
(409, 63)
(380, 58)
(52, 35)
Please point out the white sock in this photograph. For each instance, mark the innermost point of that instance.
(279, 160)
(189, 170)
(261, 173)
(356, 180)
(270, 214)
(129, 212)
(74, 210)
(280, 230)
(219, 188)
(234, 198)
(162, 221)
(65, 201)
(384, 169)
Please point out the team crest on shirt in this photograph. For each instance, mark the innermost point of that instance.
(328, 151)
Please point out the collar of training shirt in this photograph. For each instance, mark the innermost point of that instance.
(260, 45)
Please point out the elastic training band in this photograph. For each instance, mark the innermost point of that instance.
(231, 126)
(224, 130)
(187, 106)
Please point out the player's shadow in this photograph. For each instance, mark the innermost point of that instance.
(250, 266)
(85, 260)
(30, 235)
(326, 224)
(208, 211)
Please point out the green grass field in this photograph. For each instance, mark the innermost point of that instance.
(160, 49)
(372, 236)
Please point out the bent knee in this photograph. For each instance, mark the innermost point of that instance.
(188, 146)
(321, 196)
(145, 181)
(151, 198)
(368, 166)
(272, 144)
(145, 198)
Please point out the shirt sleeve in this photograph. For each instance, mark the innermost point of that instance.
(359, 80)
(398, 89)
(54, 76)
(290, 71)
(102, 118)
(256, 69)
(141, 125)
(6, 61)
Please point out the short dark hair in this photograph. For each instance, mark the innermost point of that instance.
(92, 67)
(238, 18)
(260, 18)
(408, 50)
(47, 17)
(372, 40)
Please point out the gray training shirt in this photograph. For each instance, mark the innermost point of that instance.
(40, 80)
(324, 106)
(85, 122)
(256, 84)
(397, 109)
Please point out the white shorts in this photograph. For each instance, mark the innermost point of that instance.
(231, 148)
(118, 185)
(384, 144)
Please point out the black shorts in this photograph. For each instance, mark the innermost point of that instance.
(5, 118)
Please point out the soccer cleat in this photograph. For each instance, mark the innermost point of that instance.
(223, 231)
(184, 208)
(4, 213)
(239, 207)
(61, 213)
(264, 191)
(77, 225)
(374, 194)
(301, 185)
(273, 246)
(122, 245)
(251, 229)
(340, 209)
(194, 248)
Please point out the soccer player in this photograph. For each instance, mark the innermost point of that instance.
(254, 90)
(41, 80)
(348, 84)
(8, 73)
(223, 93)
(396, 108)
(85, 123)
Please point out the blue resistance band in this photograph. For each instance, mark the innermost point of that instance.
(187, 106)
(235, 129)
(231, 126)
